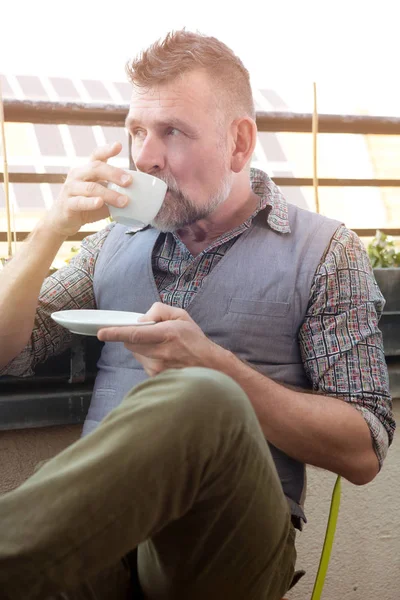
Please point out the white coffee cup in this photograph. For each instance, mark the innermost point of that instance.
(146, 194)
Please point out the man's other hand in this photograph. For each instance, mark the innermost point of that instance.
(173, 342)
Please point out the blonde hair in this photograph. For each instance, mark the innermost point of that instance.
(183, 51)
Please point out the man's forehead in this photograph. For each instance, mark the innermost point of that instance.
(157, 97)
(157, 108)
(191, 89)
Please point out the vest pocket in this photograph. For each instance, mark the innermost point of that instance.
(253, 321)
(254, 307)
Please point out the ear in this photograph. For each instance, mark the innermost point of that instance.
(244, 137)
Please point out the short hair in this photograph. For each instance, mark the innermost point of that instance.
(183, 51)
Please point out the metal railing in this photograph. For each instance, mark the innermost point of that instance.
(112, 115)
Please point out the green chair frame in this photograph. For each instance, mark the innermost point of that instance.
(328, 542)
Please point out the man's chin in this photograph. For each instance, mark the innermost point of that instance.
(163, 226)
(167, 226)
(166, 219)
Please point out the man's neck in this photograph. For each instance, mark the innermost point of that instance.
(203, 233)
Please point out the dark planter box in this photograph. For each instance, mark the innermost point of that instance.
(58, 393)
(389, 284)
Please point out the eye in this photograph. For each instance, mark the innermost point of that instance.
(173, 131)
(138, 134)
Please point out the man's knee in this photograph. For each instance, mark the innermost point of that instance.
(195, 397)
(208, 393)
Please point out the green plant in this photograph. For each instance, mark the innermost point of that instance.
(382, 251)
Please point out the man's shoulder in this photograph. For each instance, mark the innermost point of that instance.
(304, 215)
(314, 229)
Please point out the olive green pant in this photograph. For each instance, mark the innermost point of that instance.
(179, 471)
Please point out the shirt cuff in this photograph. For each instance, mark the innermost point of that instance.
(379, 434)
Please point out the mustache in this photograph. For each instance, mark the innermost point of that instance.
(171, 183)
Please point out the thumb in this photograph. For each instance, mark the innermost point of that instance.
(163, 312)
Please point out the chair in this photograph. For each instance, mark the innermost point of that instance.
(328, 542)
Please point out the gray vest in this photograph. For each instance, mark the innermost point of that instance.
(253, 303)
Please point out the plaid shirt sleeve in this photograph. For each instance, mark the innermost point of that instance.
(71, 287)
(340, 341)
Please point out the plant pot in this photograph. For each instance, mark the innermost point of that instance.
(389, 283)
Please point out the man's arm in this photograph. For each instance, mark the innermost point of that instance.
(20, 284)
(82, 200)
(69, 288)
(314, 429)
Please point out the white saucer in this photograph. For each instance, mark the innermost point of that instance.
(88, 322)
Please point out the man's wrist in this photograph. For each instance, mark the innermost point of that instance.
(47, 228)
(223, 360)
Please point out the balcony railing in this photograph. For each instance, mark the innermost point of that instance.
(112, 115)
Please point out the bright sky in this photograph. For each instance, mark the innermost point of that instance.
(350, 47)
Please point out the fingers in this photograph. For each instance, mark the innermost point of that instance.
(83, 199)
(82, 203)
(140, 336)
(101, 171)
(103, 153)
(98, 169)
(89, 195)
(162, 312)
(151, 366)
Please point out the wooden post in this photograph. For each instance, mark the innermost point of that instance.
(6, 185)
(315, 149)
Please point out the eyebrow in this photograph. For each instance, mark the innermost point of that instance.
(130, 123)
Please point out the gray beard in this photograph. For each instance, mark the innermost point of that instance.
(179, 211)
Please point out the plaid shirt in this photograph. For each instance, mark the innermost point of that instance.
(341, 345)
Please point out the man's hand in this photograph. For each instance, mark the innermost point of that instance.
(82, 199)
(174, 342)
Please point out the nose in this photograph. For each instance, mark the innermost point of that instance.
(150, 156)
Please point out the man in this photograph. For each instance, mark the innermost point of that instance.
(257, 304)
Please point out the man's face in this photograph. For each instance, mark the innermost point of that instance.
(178, 136)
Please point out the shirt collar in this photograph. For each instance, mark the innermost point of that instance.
(271, 198)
